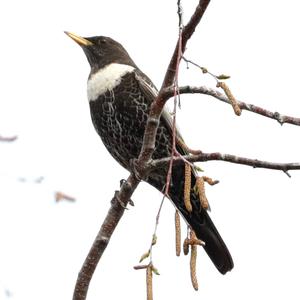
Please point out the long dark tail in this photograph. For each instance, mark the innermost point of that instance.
(205, 230)
(199, 220)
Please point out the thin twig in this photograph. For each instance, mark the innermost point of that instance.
(174, 138)
(203, 69)
(255, 163)
(156, 226)
(175, 94)
(242, 105)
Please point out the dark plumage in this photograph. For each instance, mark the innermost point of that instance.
(120, 96)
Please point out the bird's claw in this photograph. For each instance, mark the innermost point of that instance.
(134, 169)
(122, 181)
(116, 198)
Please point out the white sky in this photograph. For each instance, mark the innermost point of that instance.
(43, 100)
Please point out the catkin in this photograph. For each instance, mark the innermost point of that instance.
(186, 246)
(230, 97)
(201, 192)
(210, 181)
(187, 188)
(193, 261)
(149, 283)
(177, 233)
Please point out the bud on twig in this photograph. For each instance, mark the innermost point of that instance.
(223, 77)
(145, 255)
(154, 240)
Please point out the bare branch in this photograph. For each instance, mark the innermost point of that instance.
(115, 213)
(255, 163)
(8, 139)
(168, 93)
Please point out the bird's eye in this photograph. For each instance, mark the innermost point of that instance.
(104, 41)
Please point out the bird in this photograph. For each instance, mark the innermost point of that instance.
(120, 96)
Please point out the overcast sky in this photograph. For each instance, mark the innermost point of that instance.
(43, 77)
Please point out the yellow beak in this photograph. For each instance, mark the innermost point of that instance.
(78, 39)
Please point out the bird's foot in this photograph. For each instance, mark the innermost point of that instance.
(135, 171)
(122, 181)
(116, 198)
(130, 202)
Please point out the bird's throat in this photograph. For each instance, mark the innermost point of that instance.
(106, 79)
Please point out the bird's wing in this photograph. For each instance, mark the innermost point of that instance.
(151, 92)
(199, 218)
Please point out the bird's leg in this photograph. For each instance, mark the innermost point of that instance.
(117, 199)
(136, 171)
(130, 200)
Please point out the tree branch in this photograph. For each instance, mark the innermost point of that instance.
(201, 157)
(115, 213)
(168, 93)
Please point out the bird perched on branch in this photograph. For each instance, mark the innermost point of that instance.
(120, 95)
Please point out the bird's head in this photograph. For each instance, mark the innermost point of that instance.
(102, 51)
